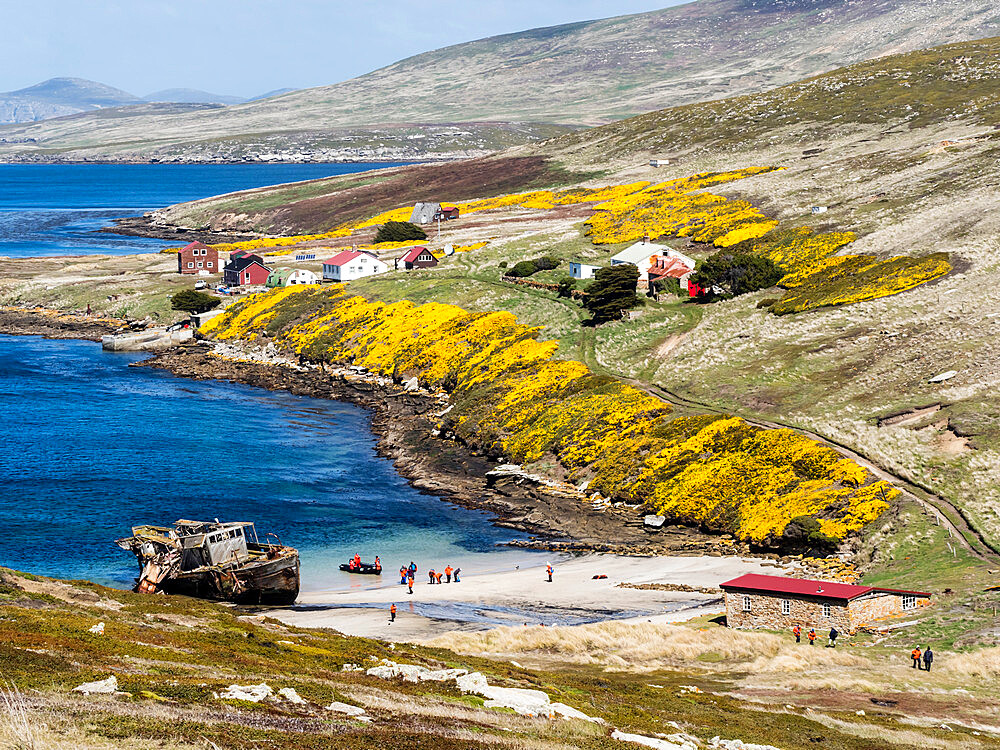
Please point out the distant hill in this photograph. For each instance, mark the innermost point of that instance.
(192, 96)
(269, 94)
(578, 74)
(60, 96)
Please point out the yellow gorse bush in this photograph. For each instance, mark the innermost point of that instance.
(513, 398)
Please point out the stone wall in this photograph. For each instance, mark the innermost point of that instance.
(879, 606)
(765, 612)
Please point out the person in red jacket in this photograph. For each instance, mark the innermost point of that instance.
(797, 632)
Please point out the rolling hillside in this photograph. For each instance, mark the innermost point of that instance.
(57, 97)
(579, 74)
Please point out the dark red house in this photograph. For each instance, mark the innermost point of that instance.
(198, 258)
(245, 270)
(417, 257)
(446, 213)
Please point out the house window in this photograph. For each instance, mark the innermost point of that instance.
(208, 263)
(909, 602)
(200, 264)
(826, 610)
(190, 264)
(786, 607)
(746, 603)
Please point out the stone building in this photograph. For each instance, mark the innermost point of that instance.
(778, 603)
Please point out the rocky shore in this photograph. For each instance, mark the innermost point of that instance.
(51, 324)
(147, 226)
(405, 423)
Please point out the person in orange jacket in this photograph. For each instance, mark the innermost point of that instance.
(447, 573)
(392, 613)
(430, 575)
(797, 632)
(437, 577)
(812, 636)
(915, 655)
(409, 581)
(548, 571)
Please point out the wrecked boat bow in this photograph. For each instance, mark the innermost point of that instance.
(213, 560)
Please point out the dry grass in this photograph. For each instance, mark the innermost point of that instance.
(977, 665)
(18, 730)
(647, 647)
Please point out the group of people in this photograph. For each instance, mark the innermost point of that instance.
(812, 636)
(926, 656)
(408, 574)
(355, 563)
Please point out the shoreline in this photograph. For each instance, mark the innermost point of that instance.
(522, 597)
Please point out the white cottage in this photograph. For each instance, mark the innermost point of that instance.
(352, 264)
(424, 213)
(580, 270)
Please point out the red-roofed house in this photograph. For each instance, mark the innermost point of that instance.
(778, 603)
(352, 264)
(416, 257)
(198, 258)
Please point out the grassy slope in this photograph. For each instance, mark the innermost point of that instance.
(583, 73)
(171, 654)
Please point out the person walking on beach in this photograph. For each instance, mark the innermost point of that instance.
(833, 637)
(409, 582)
(412, 568)
(447, 574)
(812, 636)
(402, 574)
(457, 571)
(797, 632)
(548, 571)
(392, 613)
(928, 658)
(915, 657)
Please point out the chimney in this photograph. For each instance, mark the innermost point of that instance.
(645, 240)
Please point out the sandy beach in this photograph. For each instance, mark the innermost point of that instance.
(523, 595)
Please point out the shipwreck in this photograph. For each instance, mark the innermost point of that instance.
(213, 560)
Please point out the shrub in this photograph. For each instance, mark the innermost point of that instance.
(668, 286)
(528, 268)
(566, 286)
(805, 533)
(399, 231)
(737, 273)
(612, 291)
(503, 264)
(193, 302)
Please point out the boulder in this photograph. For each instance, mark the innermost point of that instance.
(291, 696)
(654, 522)
(100, 687)
(252, 693)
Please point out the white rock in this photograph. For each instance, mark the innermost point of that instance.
(352, 668)
(412, 384)
(653, 742)
(943, 376)
(252, 693)
(291, 696)
(568, 712)
(389, 670)
(97, 629)
(346, 708)
(101, 687)
(859, 713)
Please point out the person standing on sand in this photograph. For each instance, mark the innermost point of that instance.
(447, 574)
(457, 571)
(797, 632)
(928, 658)
(915, 657)
(833, 637)
(430, 573)
(392, 613)
(548, 571)
(402, 574)
(409, 582)
(812, 636)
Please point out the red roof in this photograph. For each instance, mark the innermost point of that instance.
(341, 258)
(194, 245)
(807, 587)
(413, 254)
(670, 267)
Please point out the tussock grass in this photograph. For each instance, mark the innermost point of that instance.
(648, 647)
(17, 726)
(979, 665)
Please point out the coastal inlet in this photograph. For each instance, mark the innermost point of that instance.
(95, 446)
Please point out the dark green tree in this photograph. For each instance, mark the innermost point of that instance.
(527, 268)
(804, 533)
(193, 302)
(611, 292)
(737, 273)
(399, 231)
(566, 286)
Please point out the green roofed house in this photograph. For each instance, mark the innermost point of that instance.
(290, 277)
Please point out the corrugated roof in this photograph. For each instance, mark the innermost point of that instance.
(807, 587)
(639, 253)
(413, 254)
(341, 258)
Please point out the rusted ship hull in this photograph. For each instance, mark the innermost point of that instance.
(274, 582)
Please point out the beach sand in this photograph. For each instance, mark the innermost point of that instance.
(523, 595)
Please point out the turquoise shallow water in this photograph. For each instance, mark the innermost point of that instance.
(57, 209)
(93, 446)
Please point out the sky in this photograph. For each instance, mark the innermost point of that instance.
(249, 47)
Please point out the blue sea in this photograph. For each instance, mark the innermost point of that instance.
(57, 209)
(92, 446)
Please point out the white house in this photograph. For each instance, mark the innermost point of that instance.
(423, 213)
(580, 270)
(352, 264)
(642, 254)
(656, 262)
